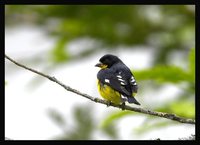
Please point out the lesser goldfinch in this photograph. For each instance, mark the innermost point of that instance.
(115, 81)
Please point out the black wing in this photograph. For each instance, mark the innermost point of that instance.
(117, 80)
(120, 80)
(119, 85)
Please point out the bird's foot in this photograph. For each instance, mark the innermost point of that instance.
(108, 103)
(123, 106)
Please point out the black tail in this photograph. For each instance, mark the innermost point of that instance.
(133, 100)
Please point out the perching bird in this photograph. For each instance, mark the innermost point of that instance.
(116, 83)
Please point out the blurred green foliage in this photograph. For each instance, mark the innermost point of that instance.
(114, 116)
(167, 27)
(184, 108)
(163, 74)
(83, 125)
(150, 124)
(170, 73)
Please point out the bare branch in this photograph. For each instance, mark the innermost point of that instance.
(97, 100)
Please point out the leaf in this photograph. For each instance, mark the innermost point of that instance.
(163, 74)
(183, 108)
(111, 131)
(59, 53)
(113, 117)
(57, 117)
(149, 125)
(192, 64)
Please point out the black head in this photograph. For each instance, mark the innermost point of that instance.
(107, 61)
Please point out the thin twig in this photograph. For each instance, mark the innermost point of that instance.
(97, 100)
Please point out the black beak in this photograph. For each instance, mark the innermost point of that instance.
(99, 65)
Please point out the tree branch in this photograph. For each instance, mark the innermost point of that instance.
(97, 100)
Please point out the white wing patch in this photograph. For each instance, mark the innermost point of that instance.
(119, 76)
(107, 80)
(121, 80)
(122, 83)
(132, 79)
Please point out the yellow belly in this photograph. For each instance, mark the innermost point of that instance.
(109, 94)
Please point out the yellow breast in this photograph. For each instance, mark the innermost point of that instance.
(108, 93)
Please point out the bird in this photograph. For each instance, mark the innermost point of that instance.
(115, 82)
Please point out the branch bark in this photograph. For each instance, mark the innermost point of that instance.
(170, 116)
